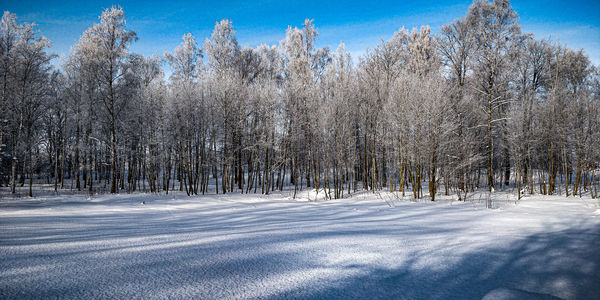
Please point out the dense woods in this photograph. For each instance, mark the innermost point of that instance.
(480, 104)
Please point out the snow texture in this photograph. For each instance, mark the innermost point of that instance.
(514, 294)
(368, 246)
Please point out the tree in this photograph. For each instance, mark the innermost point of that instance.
(30, 74)
(108, 43)
(378, 71)
(9, 33)
(223, 54)
(456, 44)
(186, 65)
(305, 67)
(497, 34)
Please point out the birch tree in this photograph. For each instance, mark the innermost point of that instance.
(497, 33)
(108, 43)
(31, 86)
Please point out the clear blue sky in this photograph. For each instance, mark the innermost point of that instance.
(359, 24)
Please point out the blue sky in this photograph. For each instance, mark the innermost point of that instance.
(359, 24)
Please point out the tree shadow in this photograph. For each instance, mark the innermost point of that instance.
(564, 264)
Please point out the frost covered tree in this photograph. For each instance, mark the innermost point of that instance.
(305, 66)
(152, 121)
(107, 43)
(189, 106)
(26, 74)
(377, 73)
(456, 44)
(340, 122)
(497, 34)
(9, 33)
(223, 54)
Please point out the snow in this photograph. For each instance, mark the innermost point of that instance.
(374, 246)
(515, 294)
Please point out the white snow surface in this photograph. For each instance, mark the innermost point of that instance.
(368, 246)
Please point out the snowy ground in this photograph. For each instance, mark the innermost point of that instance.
(247, 246)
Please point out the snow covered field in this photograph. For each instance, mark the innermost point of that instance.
(248, 246)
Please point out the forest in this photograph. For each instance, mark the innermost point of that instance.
(478, 105)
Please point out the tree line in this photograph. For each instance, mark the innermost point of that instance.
(478, 105)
